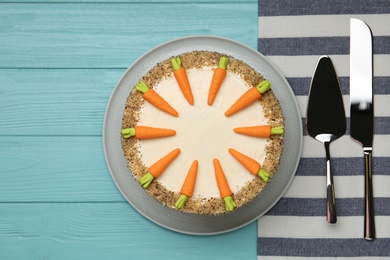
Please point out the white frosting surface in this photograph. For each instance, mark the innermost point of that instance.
(203, 133)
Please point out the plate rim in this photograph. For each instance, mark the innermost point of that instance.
(106, 144)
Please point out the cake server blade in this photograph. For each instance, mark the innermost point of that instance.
(325, 119)
(362, 115)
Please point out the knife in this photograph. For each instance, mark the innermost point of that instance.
(325, 120)
(362, 115)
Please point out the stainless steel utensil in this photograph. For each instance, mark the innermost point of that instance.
(325, 120)
(362, 115)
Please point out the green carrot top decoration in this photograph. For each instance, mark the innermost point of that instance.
(147, 132)
(188, 186)
(223, 186)
(182, 79)
(223, 61)
(249, 97)
(218, 77)
(176, 63)
(260, 130)
(155, 99)
(158, 168)
(251, 165)
(264, 86)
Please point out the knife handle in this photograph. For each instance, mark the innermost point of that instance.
(331, 215)
(369, 222)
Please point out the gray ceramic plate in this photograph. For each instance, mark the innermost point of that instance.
(185, 222)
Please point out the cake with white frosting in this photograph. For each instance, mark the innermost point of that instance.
(200, 132)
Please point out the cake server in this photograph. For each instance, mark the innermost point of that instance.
(362, 115)
(325, 120)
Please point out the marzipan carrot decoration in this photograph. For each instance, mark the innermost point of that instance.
(259, 131)
(223, 186)
(249, 97)
(250, 164)
(158, 168)
(146, 132)
(188, 186)
(182, 79)
(218, 77)
(155, 99)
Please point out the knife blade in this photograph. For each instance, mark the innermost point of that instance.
(362, 114)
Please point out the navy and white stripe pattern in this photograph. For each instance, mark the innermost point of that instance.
(293, 35)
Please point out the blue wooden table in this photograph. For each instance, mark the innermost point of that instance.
(59, 62)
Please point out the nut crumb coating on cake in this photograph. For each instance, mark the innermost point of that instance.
(271, 109)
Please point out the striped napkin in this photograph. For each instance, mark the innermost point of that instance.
(293, 35)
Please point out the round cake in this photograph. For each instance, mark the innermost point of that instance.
(202, 132)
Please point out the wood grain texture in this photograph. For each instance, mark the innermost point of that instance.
(55, 169)
(107, 231)
(59, 62)
(59, 102)
(111, 35)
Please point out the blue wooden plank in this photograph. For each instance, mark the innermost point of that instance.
(57, 198)
(111, 35)
(55, 102)
(55, 169)
(107, 231)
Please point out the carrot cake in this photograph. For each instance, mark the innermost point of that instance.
(202, 132)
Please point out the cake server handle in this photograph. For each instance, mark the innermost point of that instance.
(331, 215)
